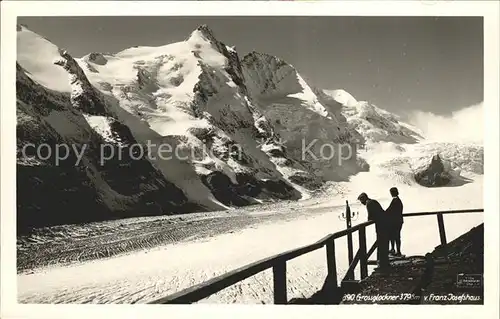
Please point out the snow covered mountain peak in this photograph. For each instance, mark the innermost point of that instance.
(204, 32)
(37, 55)
(398, 151)
(343, 97)
(375, 124)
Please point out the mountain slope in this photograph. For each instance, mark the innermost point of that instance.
(314, 135)
(375, 124)
(178, 128)
(398, 151)
(76, 186)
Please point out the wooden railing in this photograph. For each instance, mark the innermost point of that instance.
(278, 264)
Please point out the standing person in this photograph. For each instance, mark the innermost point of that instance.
(395, 215)
(379, 216)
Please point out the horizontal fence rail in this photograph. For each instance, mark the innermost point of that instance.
(278, 263)
(445, 212)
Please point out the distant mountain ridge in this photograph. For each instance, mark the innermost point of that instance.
(374, 123)
(236, 130)
(400, 152)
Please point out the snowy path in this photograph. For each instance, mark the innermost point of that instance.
(150, 274)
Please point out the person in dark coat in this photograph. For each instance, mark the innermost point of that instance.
(395, 215)
(379, 216)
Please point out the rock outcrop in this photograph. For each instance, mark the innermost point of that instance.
(434, 175)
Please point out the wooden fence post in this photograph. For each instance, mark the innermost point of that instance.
(349, 235)
(363, 262)
(279, 283)
(331, 262)
(442, 233)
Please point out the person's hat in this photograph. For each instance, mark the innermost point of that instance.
(362, 196)
(394, 191)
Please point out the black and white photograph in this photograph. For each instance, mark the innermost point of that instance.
(251, 159)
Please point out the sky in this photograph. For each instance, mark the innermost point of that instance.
(401, 64)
